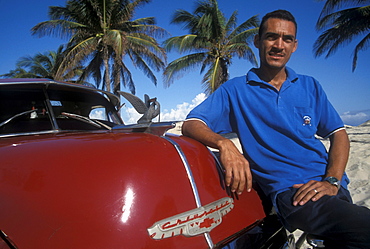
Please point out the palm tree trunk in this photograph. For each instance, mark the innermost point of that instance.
(106, 71)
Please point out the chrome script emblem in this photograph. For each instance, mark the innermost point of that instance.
(193, 222)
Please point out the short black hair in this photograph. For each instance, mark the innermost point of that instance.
(279, 14)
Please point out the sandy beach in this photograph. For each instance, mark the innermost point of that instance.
(358, 167)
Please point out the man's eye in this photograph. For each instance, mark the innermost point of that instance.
(288, 39)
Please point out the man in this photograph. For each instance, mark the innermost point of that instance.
(276, 114)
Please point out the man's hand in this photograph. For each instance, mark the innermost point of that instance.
(238, 174)
(338, 157)
(313, 190)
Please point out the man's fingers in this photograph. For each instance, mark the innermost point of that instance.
(228, 177)
(238, 183)
(234, 178)
(237, 171)
(238, 177)
(304, 193)
(249, 180)
(313, 190)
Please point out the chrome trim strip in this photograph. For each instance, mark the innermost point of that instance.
(221, 172)
(192, 182)
(188, 170)
(158, 129)
(208, 238)
(28, 133)
(4, 237)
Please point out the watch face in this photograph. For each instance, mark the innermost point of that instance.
(332, 180)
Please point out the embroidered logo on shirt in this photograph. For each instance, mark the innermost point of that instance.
(306, 120)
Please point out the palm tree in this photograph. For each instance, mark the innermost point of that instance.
(101, 33)
(18, 73)
(212, 42)
(342, 26)
(42, 65)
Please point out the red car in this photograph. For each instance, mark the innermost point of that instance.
(72, 175)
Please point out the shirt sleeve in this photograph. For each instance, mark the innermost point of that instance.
(330, 121)
(214, 111)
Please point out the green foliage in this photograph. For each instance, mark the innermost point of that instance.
(43, 65)
(212, 42)
(340, 26)
(101, 33)
(18, 73)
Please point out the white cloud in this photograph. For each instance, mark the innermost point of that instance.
(355, 118)
(130, 116)
(182, 110)
(97, 114)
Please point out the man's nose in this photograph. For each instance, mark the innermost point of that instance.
(279, 43)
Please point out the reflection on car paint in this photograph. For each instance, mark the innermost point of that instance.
(127, 206)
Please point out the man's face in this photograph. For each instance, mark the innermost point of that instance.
(276, 43)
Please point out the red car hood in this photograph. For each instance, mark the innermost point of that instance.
(105, 189)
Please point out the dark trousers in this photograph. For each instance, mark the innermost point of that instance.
(341, 223)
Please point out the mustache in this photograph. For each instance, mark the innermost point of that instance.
(278, 52)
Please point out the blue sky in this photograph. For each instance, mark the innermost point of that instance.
(348, 91)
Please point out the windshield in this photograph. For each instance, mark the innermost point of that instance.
(33, 108)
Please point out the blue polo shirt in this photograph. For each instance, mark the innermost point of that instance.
(276, 128)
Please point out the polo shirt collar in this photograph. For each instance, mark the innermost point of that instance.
(252, 76)
(292, 76)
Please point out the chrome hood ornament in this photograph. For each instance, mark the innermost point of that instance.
(150, 107)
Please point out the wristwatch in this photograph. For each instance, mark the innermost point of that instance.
(333, 181)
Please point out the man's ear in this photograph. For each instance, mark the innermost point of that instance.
(256, 41)
(295, 45)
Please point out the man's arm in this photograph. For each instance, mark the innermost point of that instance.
(338, 154)
(238, 174)
(338, 157)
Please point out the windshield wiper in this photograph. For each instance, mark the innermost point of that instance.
(16, 116)
(86, 120)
